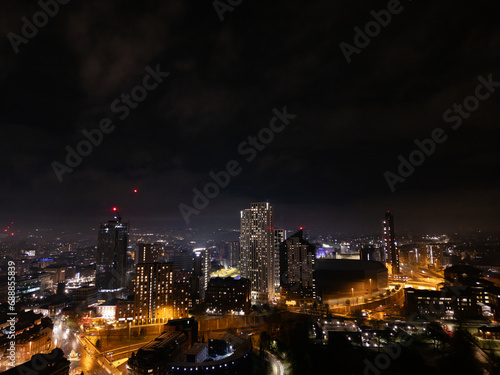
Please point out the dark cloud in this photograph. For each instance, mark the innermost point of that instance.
(325, 170)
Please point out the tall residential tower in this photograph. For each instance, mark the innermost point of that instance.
(257, 250)
(390, 245)
(297, 258)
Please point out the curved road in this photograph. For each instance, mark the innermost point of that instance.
(276, 365)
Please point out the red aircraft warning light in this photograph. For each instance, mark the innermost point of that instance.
(135, 190)
(114, 209)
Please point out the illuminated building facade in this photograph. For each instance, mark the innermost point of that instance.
(257, 250)
(148, 253)
(182, 293)
(390, 245)
(153, 302)
(279, 237)
(235, 254)
(226, 295)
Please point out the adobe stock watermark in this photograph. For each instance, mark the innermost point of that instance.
(223, 6)
(382, 361)
(372, 29)
(249, 149)
(12, 314)
(122, 108)
(29, 29)
(426, 147)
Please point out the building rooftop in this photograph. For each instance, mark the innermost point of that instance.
(196, 348)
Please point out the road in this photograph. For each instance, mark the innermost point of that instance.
(276, 365)
(88, 359)
(420, 277)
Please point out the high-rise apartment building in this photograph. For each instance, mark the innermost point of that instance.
(235, 254)
(390, 245)
(200, 274)
(279, 237)
(111, 258)
(153, 302)
(297, 258)
(257, 250)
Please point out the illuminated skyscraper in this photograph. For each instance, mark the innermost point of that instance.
(111, 258)
(257, 250)
(200, 275)
(390, 246)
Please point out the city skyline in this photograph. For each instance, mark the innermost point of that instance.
(252, 187)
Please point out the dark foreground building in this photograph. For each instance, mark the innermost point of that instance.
(176, 351)
(53, 363)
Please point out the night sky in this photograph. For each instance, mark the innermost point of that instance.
(325, 170)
